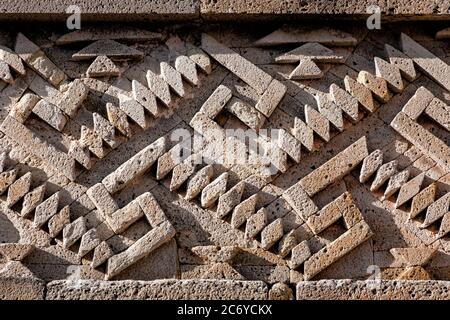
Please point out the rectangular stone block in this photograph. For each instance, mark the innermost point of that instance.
(336, 168)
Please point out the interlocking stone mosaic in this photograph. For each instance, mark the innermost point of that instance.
(118, 162)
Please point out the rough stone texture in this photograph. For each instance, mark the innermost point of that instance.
(161, 289)
(364, 290)
(327, 179)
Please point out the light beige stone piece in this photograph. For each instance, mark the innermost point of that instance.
(134, 110)
(443, 34)
(186, 67)
(395, 183)
(214, 190)
(317, 122)
(422, 200)
(173, 78)
(74, 97)
(331, 111)
(207, 127)
(159, 87)
(23, 108)
(370, 165)
(102, 199)
(307, 69)
(418, 103)
(326, 36)
(151, 209)
(57, 223)
(73, 232)
(271, 234)
(198, 182)
(216, 101)
(324, 218)
(110, 48)
(289, 144)
(183, 171)
(6, 179)
(135, 166)
(118, 119)
(32, 200)
(15, 251)
(200, 58)
(101, 253)
(409, 189)
(125, 217)
(89, 241)
(444, 229)
(103, 67)
(390, 73)
(360, 92)
(348, 241)
(440, 112)
(303, 133)
(437, 210)
(244, 69)
(105, 130)
(313, 51)
(216, 254)
(385, 172)
(3, 161)
(414, 257)
(46, 210)
(146, 98)
(271, 98)
(300, 253)
(12, 59)
(90, 139)
(299, 200)
(5, 73)
(24, 47)
(427, 61)
(141, 248)
(256, 223)
(40, 148)
(350, 212)
(402, 61)
(50, 114)
(80, 154)
(246, 113)
(124, 33)
(345, 101)
(377, 85)
(169, 160)
(423, 139)
(335, 168)
(287, 243)
(18, 189)
(229, 200)
(243, 211)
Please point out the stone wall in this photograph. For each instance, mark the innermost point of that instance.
(223, 9)
(315, 157)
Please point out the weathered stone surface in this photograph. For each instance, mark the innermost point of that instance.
(428, 62)
(306, 70)
(109, 48)
(322, 35)
(418, 103)
(50, 114)
(214, 190)
(402, 61)
(165, 289)
(341, 246)
(440, 112)
(135, 166)
(312, 51)
(230, 199)
(244, 69)
(23, 108)
(423, 139)
(360, 92)
(387, 290)
(335, 168)
(384, 173)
